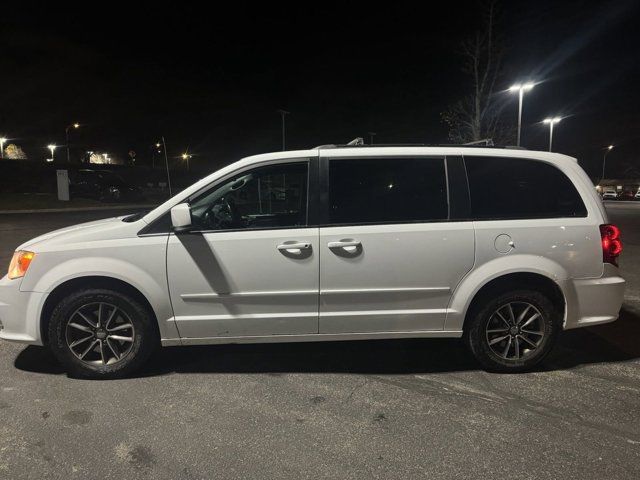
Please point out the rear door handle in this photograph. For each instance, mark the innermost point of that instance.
(344, 244)
(294, 247)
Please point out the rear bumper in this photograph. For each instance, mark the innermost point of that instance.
(594, 301)
(19, 313)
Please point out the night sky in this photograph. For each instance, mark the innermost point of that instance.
(211, 80)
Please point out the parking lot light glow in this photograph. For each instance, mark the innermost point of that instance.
(2, 140)
(186, 157)
(520, 88)
(551, 121)
(52, 148)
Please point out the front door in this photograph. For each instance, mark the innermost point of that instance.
(390, 257)
(251, 268)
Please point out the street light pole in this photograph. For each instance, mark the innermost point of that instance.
(520, 88)
(66, 131)
(551, 122)
(153, 154)
(283, 113)
(186, 157)
(52, 148)
(2, 140)
(604, 159)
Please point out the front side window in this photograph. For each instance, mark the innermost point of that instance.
(517, 188)
(387, 190)
(266, 197)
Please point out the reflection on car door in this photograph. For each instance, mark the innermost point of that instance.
(257, 273)
(390, 258)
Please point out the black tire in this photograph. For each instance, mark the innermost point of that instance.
(144, 334)
(478, 339)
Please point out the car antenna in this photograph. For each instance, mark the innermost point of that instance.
(166, 162)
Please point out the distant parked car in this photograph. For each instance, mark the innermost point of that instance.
(637, 195)
(609, 195)
(626, 195)
(102, 185)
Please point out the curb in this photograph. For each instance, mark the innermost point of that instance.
(79, 209)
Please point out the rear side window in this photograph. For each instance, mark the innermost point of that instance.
(519, 188)
(387, 190)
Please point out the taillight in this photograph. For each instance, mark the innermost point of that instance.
(611, 244)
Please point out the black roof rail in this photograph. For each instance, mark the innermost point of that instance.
(441, 145)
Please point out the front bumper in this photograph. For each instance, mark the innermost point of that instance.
(594, 301)
(20, 313)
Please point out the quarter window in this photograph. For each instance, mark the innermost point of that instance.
(387, 190)
(267, 197)
(518, 188)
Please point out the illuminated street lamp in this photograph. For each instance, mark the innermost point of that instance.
(186, 157)
(551, 122)
(520, 88)
(2, 140)
(604, 159)
(52, 148)
(66, 131)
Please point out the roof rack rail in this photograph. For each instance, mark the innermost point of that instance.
(486, 142)
(440, 145)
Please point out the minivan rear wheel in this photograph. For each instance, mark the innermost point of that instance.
(513, 331)
(101, 334)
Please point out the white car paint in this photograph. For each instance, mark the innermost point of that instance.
(415, 280)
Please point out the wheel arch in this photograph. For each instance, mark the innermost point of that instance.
(531, 272)
(84, 282)
(516, 281)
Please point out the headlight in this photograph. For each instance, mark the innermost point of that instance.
(20, 263)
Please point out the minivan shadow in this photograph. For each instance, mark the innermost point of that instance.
(607, 343)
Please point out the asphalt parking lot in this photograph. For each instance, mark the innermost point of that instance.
(383, 409)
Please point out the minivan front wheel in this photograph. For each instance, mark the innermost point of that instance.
(512, 332)
(100, 333)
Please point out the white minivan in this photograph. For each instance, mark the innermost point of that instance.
(501, 247)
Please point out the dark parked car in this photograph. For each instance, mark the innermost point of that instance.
(626, 195)
(102, 185)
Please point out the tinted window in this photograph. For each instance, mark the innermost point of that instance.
(267, 197)
(387, 190)
(520, 188)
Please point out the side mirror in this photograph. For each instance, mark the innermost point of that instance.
(181, 217)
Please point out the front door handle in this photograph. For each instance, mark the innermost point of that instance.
(295, 248)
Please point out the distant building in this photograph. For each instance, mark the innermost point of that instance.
(619, 184)
(14, 152)
(104, 159)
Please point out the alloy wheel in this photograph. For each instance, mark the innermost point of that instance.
(100, 333)
(515, 330)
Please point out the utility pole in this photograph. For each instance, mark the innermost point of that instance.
(66, 131)
(283, 113)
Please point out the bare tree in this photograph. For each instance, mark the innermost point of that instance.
(477, 115)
